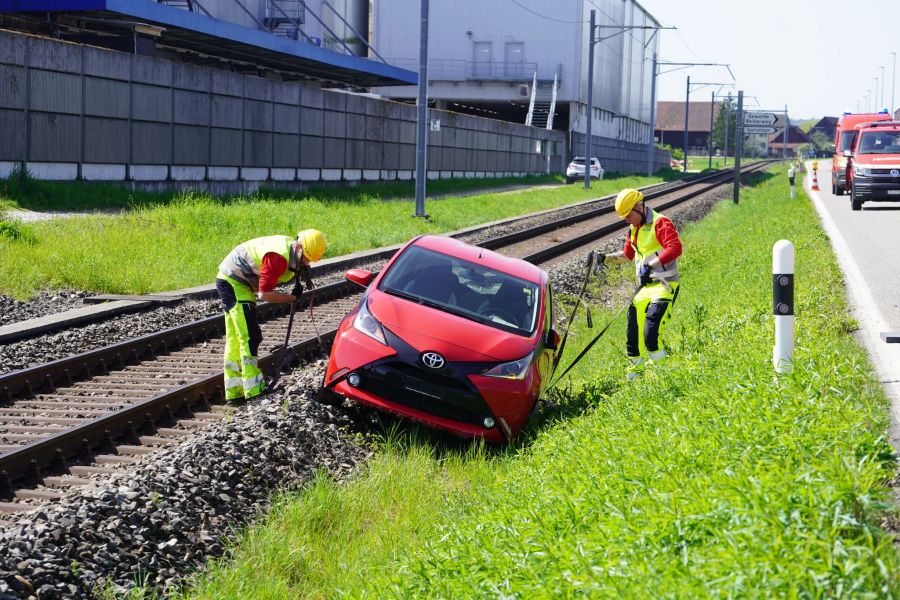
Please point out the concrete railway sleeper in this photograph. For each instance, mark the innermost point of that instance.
(90, 413)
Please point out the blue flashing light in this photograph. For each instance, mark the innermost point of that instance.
(883, 111)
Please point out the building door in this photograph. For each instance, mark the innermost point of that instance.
(514, 64)
(482, 60)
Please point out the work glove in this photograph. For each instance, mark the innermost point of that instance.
(599, 261)
(644, 275)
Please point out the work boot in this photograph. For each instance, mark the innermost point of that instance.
(235, 402)
(636, 368)
(658, 355)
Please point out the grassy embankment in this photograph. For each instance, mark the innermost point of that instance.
(709, 477)
(170, 241)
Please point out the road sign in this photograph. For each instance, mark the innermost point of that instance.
(759, 118)
(748, 129)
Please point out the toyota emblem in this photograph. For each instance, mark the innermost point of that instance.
(433, 360)
(895, 173)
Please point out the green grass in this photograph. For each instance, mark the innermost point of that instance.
(180, 241)
(709, 477)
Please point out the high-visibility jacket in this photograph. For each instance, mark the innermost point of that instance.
(245, 261)
(645, 244)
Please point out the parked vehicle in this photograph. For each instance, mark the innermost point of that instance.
(451, 335)
(873, 168)
(575, 170)
(843, 138)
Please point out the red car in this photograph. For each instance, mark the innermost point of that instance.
(452, 335)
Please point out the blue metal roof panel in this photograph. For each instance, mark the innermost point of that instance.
(176, 18)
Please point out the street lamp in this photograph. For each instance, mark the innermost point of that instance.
(881, 104)
(893, 82)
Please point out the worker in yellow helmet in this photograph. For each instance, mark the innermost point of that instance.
(654, 246)
(249, 273)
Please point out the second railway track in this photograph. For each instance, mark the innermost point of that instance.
(63, 421)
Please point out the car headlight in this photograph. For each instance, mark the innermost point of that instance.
(365, 323)
(863, 171)
(511, 370)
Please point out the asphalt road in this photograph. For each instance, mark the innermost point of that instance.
(867, 245)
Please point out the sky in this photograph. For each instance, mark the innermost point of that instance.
(818, 57)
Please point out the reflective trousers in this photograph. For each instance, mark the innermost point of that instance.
(243, 379)
(648, 314)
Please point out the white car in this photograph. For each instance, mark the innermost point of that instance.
(575, 170)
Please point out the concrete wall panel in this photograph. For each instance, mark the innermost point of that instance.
(12, 48)
(391, 156)
(13, 146)
(287, 118)
(106, 64)
(191, 77)
(106, 98)
(226, 147)
(373, 155)
(55, 138)
(356, 126)
(335, 124)
(334, 101)
(374, 128)
(333, 156)
(157, 71)
(407, 132)
(54, 56)
(356, 153)
(151, 144)
(257, 149)
(311, 121)
(257, 115)
(55, 92)
(356, 104)
(227, 84)
(191, 145)
(310, 152)
(407, 157)
(191, 108)
(12, 86)
(106, 141)
(152, 103)
(285, 92)
(312, 97)
(257, 88)
(227, 112)
(287, 151)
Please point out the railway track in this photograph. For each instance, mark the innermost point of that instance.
(64, 421)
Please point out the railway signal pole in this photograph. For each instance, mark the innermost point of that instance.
(738, 146)
(422, 115)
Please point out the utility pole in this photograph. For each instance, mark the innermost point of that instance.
(727, 127)
(651, 146)
(422, 115)
(590, 104)
(687, 106)
(881, 104)
(787, 128)
(738, 145)
(712, 106)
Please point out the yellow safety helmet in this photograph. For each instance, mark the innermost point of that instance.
(626, 200)
(313, 242)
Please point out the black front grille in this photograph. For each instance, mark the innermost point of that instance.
(445, 397)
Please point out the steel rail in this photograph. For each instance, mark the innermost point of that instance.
(81, 441)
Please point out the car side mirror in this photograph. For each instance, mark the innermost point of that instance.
(360, 277)
(553, 339)
(847, 153)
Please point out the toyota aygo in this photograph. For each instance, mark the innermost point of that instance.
(454, 336)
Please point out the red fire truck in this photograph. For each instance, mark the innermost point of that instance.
(843, 139)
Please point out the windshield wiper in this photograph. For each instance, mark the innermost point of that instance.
(435, 305)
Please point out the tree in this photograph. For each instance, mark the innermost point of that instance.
(727, 112)
(820, 140)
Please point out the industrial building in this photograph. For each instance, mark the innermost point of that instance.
(527, 62)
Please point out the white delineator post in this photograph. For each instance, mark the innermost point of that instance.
(783, 305)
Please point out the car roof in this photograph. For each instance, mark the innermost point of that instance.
(453, 247)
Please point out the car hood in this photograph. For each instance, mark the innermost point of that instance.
(456, 338)
(881, 161)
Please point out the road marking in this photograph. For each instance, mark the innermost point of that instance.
(885, 358)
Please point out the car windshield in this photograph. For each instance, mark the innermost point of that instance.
(846, 141)
(463, 288)
(880, 142)
(578, 161)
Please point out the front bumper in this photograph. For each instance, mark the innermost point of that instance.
(877, 188)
